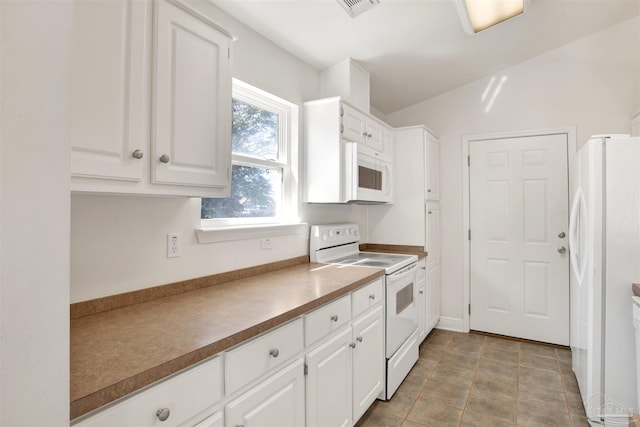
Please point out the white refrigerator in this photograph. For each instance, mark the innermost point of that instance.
(604, 241)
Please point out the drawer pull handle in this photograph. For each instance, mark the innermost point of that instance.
(421, 292)
(334, 317)
(165, 158)
(275, 352)
(163, 414)
(352, 345)
(372, 296)
(138, 154)
(359, 339)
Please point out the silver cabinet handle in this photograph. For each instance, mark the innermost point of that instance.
(163, 414)
(352, 345)
(275, 352)
(429, 212)
(165, 158)
(372, 296)
(428, 190)
(561, 235)
(424, 268)
(334, 317)
(138, 154)
(359, 339)
(562, 249)
(421, 292)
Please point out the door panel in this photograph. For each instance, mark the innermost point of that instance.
(519, 275)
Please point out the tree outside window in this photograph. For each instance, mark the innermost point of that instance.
(259, 148)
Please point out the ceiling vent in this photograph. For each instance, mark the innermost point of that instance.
(356, 7)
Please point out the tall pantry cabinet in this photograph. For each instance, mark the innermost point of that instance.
(414, 217)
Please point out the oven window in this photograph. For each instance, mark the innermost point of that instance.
(404, 298)
(369, 178)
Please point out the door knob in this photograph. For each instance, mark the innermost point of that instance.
(165, 158)
(561, 235)
(562, 249)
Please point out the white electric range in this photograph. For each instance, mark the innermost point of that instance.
(339, 244)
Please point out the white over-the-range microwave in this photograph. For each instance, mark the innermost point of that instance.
(367, 175)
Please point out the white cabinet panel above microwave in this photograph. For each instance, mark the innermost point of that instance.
(344, 157)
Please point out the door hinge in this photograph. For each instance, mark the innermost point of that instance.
(468, 160)
(306, 369)
(469, 234)
(229, 53)
(469, 308)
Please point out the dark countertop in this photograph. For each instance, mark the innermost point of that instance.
(119, 351)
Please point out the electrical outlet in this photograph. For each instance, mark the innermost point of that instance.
(265, 243)
(173, 245)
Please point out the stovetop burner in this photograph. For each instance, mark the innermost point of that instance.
(338, 244)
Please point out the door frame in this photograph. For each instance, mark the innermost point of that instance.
(570, 132)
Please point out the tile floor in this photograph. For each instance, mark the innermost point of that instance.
(477, 380)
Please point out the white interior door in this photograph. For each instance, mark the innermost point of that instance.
(519, 258)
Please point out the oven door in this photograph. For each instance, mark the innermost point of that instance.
(402, 315)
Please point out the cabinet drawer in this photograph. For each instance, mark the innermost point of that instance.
(327, 319)
(183, 395)
(367, 296)
(255, 358)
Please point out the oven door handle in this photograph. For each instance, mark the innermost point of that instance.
(403, 272)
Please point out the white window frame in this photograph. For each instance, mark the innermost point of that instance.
(287, 162)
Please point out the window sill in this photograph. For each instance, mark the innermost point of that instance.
(246, 232)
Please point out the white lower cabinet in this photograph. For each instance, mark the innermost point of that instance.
(368, 360)
(278, 401)
(346, 371)
(329, 382)
(215, 420)
(422, 300)
(169, 403)
(433, 285)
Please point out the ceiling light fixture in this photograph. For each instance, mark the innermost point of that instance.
(478, 15)
(356, 7)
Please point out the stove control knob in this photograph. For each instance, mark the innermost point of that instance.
(331, 233)
(324, 237)
(352, 231)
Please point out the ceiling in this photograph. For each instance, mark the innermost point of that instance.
(416, 49)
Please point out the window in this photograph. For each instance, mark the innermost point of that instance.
(264, 132)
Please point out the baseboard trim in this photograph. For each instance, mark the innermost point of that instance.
(451, 324)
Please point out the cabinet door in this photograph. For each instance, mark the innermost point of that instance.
(215, 420)
(433, 233)
(375, 135)
(433, 298)
(422, 303)
(191, 139)
(433, 168)
(353, 124)
(108, 92)
(368, 360)
(276, 402)
(329, 382)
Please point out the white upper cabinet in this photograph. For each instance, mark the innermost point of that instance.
(353, 124)
(191, 141)
(432, 174)
(108, 95)
(361, 128)
(144, 126)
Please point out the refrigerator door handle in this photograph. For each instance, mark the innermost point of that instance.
(577, 222)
